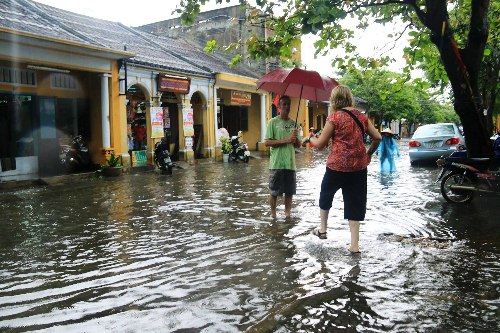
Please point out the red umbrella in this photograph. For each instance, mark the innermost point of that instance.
(296, 82)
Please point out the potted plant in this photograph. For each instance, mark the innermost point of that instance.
(113, 167)
(225, 148)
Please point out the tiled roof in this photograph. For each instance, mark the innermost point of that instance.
(195, 55)
(116, 36)
(151, 50)
(18, 17)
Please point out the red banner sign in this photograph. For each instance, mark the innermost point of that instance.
(241, 98)
(174, 84)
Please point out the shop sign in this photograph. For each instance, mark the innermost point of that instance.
(188, 142)
(241, 98)
(174, 84)
(156, 122)
(187, 119)
(139, 158)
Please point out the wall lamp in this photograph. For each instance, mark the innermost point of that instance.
(51, 69)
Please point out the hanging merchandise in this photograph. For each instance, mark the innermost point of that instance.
(166, 118)
(130, 113)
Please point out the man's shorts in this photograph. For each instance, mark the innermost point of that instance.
(282, 181)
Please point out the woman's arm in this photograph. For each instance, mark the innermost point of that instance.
(375, 135)
(322, 140)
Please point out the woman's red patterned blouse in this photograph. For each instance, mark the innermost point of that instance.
(348, 150)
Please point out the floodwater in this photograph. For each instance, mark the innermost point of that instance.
(198, 252)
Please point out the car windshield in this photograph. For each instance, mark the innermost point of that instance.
(434, 130)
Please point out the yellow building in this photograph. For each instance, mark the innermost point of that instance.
(54, 85)
(122, 90)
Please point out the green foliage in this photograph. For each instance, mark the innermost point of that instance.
(423, 20)
(113, 161)
(392, 97)
(290, 64)
(226, 145)
(211, 47)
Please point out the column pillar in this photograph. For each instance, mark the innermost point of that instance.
(126, 157)
(149, 141)
(216, 125)
(207, 147)
(263, 123)
(182, 148)
(106, 133)
(263, 119)
(106, 149)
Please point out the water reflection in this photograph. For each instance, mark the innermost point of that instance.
(199, 252)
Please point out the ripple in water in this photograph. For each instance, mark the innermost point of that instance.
(199, 252)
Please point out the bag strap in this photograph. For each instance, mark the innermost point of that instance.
(355, 119)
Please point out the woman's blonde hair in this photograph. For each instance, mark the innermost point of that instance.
(341, 97)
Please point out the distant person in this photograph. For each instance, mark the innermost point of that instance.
(388, 152)
(347, 162)
(312, 132)
(282, 136)
(139, 133)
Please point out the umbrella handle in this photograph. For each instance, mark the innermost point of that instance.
(297, 117)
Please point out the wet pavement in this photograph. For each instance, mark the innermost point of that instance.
(198, 252)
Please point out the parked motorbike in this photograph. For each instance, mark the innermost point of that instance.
(461, 176)
(162, 157)
(240, 149)
(74, 156)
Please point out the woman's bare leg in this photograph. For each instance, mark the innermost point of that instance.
(324, 219)
(354, 227)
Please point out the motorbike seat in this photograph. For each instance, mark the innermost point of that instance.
(480, 163)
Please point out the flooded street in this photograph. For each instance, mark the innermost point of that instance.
(198, 252)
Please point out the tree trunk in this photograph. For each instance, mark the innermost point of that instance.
(477, 141)
(463, 71)
(493, 97)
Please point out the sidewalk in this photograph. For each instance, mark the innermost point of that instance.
(34, 180)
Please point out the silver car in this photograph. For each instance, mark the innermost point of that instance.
(429, 142)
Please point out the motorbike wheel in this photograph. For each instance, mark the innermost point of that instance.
(456, 196)
(169, 169)
(246, 159)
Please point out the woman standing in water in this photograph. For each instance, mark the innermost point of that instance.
(346, 165)
(388, 152)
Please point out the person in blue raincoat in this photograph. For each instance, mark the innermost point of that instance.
(388, 152)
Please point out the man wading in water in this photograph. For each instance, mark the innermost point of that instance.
(282, 136)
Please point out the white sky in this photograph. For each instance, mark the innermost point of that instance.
(136, 13)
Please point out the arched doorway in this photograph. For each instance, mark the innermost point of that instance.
(137, 132)
(200, 121)
(169, 103)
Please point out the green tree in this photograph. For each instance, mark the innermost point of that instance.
(429, 24)
(392, 99)
(489, 83)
